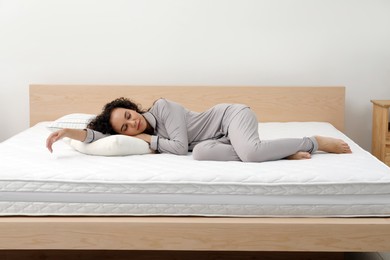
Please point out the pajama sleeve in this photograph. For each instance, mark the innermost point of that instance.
(173, 118)
(93, 135)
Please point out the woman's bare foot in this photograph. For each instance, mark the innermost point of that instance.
(299, 156)
(332, 145)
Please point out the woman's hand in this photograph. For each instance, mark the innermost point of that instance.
(147, 138)
(77, 134)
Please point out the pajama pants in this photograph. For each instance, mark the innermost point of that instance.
(242, 142)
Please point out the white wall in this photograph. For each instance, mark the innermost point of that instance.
(211, 42)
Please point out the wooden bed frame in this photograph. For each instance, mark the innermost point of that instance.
(48, 102)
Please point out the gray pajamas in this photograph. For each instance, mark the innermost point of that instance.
(242, 143)
(225, 132)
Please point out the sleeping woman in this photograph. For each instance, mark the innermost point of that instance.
(225, 132)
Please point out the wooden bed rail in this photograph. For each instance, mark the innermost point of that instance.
(196, 233)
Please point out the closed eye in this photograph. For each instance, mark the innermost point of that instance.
(127, 116)
(124, 128)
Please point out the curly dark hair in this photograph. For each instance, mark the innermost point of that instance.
(102, 124)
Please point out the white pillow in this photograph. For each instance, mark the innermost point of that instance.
(76, 121)
(113, 145)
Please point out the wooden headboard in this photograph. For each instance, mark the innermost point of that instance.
(271, 104)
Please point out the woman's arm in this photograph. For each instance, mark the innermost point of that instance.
(147, 138)
(77, 134)
(171, 116)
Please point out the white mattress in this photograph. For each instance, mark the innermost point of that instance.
(35, 182)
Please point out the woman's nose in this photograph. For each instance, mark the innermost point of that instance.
(133, 123)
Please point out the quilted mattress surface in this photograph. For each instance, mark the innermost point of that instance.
(35, 182)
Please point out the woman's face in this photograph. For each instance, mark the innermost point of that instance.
(127, 122)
